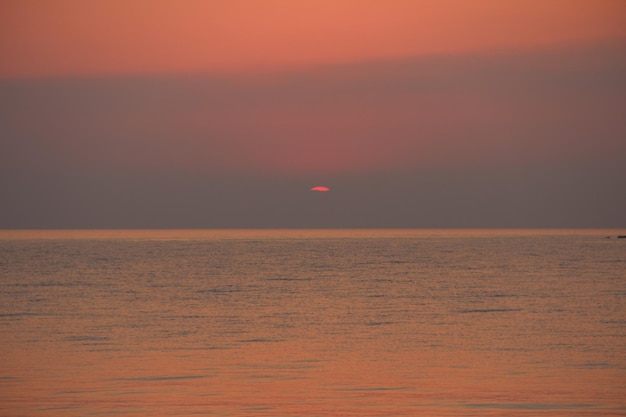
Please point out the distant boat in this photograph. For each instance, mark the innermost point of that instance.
(621, 237)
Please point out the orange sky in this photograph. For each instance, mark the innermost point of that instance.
(514, 107)
(76, 37)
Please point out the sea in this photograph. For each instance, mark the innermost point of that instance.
(312, 323)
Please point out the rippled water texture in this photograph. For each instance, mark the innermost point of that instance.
(312, 323)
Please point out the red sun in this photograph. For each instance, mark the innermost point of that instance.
(320, 189)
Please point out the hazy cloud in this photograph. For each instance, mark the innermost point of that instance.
(508, 139)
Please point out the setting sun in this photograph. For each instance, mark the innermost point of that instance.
(321, 189)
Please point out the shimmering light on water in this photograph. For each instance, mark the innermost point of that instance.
(312, 323)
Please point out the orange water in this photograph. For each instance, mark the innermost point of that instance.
(312, 323)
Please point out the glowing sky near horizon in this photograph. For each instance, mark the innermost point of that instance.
(219, 107)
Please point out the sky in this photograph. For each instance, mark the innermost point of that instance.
(225, 113)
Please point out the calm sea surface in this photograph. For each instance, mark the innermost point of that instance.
(312, 323)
